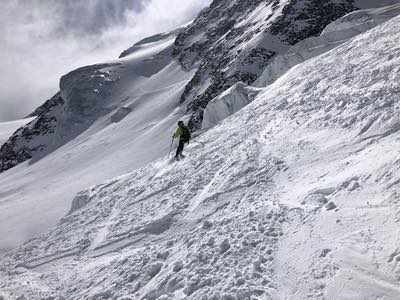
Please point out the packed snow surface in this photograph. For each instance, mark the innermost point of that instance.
(293, 197)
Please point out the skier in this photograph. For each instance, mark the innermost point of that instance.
(183, 133)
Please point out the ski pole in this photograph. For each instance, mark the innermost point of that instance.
(170, 148)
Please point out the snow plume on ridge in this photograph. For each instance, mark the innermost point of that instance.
(42, 40)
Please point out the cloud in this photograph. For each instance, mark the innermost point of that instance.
(43, 39)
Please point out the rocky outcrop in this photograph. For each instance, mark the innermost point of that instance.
(32, 138)
(81, 100)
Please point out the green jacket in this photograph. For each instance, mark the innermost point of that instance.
(182, 133)
(178, 133)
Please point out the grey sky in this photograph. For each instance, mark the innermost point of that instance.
(40, 40)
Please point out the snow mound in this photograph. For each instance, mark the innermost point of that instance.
(228, 103)
(295, 197)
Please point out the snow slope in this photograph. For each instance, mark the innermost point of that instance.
(107, 120)
(293, 197)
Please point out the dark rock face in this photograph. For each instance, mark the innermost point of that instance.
(303, 19)
(85, 89)
(46, 107)
(233, 41)
(26, 141)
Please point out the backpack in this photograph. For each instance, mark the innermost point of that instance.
(185, 134)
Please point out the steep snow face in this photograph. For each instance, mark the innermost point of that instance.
(107, 120)
(333, 35)
(234, 41)
(294, 197)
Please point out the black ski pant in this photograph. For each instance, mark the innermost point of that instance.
(180, 147)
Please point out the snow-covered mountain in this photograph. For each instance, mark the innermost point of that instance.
(231, 41)
(294, 196)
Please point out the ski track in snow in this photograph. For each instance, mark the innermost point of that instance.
(293, 197)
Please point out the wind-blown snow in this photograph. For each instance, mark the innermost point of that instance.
(293, 197)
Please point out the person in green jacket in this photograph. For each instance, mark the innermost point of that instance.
(183, 133)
